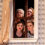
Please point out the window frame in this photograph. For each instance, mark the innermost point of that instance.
(35, 26)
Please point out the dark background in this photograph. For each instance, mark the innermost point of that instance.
(21, 4)
(30, 3)
(17, 4)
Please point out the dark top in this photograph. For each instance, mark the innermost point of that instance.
(18, 37)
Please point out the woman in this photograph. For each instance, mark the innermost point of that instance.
(19, 30)
(20, 13)
(30, 12)
(30, 29)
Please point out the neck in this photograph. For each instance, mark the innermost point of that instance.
(19, 32)
(32, 32)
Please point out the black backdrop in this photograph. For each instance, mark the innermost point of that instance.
(21, 4)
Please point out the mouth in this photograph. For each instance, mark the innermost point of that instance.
(19, 28)
(29, 28)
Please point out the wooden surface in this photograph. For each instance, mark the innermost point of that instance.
(5, 27)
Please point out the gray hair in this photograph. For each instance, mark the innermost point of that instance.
(21, 10)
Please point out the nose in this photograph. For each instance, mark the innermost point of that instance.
(28, 27)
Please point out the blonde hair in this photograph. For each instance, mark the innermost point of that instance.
(32, 10)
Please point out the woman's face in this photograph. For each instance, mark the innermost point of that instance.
(20, 27)
(30, 26)
(29, 13)
(20, 14)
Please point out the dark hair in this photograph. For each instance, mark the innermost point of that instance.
(31, 22)
(18, 23)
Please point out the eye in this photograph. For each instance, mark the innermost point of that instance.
(20, 13)
(18, 25)
(30, 25)
(21, 25)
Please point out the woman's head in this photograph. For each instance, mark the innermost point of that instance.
(30, 26)
(19, 26)
(30, 12)
(20, 13)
